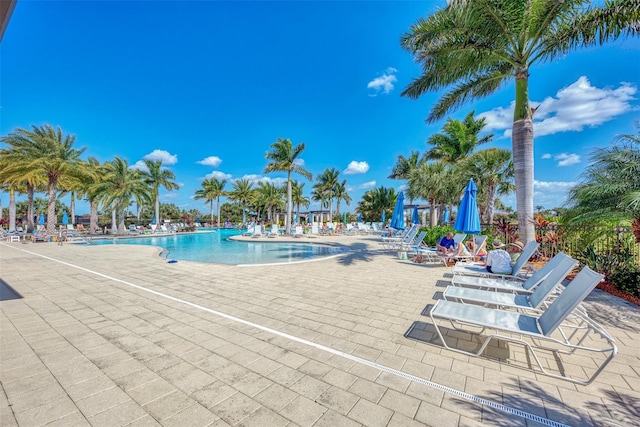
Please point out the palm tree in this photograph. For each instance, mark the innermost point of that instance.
(212, 189)
(341, 194)
(458, 140)
(475, 47)
(610, 186)
(429, 181)
(119, 186)
(46, 152)
(327, 182)
(286, 158)
(319, 194)
(297, 196)
(242, 193)
(404, 167)
(95, 174)
(492, 170)
(375, 201)
(157, 177)
(270, 197)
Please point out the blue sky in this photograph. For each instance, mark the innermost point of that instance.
(207, 86)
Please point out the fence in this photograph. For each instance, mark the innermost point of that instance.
(574, 240)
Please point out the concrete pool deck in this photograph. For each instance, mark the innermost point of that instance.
(115, 335)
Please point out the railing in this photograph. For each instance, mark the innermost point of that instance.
(574, 240)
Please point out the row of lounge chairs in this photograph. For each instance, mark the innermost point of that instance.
(531, 308)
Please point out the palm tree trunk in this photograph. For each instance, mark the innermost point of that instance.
(93, 217)
(157, 208)
(218, 210)
(287, 227)
(72, 208)
(51, 208)
(114, 226)
(30, 208)
(522, 147)
(120, 220)
(12, 210)
(489, 208)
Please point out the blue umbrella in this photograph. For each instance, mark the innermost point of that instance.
(296, 221)
(153, 219)
(360, 217)
(344, 217)
(445, 215)
(397, 219)
(468, 219)
(384, 215)
(65, 218)
(41, 219)
(415, 218)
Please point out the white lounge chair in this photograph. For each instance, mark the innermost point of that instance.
(535, 300)
(406, 239)
(478, 269)
(411, 246)
(298, 231)
(257, 231)
(513, 284)
(546, 330)
(315, 230)
(274, 231)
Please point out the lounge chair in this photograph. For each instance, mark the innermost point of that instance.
(535, 300)
(398, 234)
(315, 230)
(534, 331)
(514, 284)
(274, 231)
(478, 269)
(298, 231)
(411, 246)
(406, 239)
(257, 231)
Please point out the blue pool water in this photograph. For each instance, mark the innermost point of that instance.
(214, 247)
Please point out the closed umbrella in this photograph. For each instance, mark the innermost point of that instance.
(344, 217)
(384, 215)
(445, 215)
(65, 219)
(360, 217)
(415, 218)
(41, 219)
(468, 219)
(153, 219)
(397, 219)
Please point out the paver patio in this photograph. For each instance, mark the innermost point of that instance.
(300, 345)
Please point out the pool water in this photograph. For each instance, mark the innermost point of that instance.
(215, 247)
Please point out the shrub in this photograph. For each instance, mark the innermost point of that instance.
(435, 233)
(605, 263)
(626, 277)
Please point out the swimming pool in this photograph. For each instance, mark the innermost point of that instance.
(214, 247)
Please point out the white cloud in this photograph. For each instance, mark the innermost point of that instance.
(255, 179)
(546, 156)
(165, 156)
(365, 185)
(299, 162)
(553, 186)
(384, 83)
(213, 161)
(356, 167)
(218, 175)
(139, 165)
(574, 107)
(550, 194)
(565, 159)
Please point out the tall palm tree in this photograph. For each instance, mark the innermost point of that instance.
(475, 47)
(212, 189)
(327, 182)
(610, 186)
(429, 182)
(404, 167)
(375, 201)
(242, 193)
(458, 140)
(270, 197)
(286, 158)
(95, 172)
(157, 177)
(50, 153)
(492, 171)
(119, 186)
(341, 194)
(297, 196)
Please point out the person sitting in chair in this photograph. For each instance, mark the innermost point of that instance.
(498, 260)
(446, 245)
